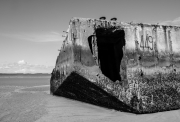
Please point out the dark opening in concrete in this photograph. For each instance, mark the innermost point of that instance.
(110, 51)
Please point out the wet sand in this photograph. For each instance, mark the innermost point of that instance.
(35, 104)
(21, 106)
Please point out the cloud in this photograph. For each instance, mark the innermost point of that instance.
(25, 71)
(24, 67)
(36, 37)
(175, 22)
(56, 33)
(22, 62)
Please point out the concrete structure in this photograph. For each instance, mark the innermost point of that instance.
(131, 67)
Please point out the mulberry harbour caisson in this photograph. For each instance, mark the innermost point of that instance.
(131, 67)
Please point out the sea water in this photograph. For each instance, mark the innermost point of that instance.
(28, 99)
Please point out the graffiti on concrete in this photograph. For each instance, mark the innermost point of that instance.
(148, 43)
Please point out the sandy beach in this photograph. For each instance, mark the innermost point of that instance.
(35, 104)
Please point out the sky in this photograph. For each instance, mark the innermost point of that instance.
(31, 30)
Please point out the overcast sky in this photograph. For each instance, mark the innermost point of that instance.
(31, 30)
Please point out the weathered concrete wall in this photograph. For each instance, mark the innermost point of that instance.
(150, 48)
(157, 47)
(150, 62)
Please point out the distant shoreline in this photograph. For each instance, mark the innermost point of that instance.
(21, 75)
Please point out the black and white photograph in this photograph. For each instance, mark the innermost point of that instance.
(89, 61)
